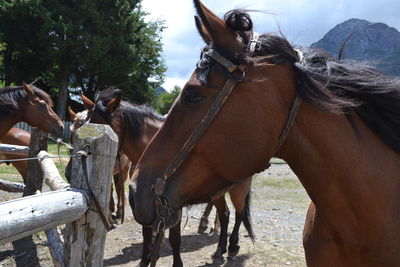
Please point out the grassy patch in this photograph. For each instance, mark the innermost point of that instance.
(9, 173)
(281, 183)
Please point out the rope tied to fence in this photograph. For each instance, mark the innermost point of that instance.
(82, 155)
(33, 158)
(59, 143)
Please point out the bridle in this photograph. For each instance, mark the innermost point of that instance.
(162, 210)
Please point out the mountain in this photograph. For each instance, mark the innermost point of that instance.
(374, 42)
(160, 90)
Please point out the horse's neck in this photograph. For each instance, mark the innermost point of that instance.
(134, 147)
(340, 170)
(7, 123)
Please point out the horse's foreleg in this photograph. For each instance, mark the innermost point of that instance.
(240, 197)
(234, 247)
(175, 241)
(204, 218)
(223, 213)
(119, 188)
(147, 236)
(111, 206)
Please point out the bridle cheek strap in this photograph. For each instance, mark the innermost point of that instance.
(159, 184)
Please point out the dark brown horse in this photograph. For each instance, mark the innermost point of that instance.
(335, 122)
(29, 104)
(135, 127)
(121, 170)
(18, 137)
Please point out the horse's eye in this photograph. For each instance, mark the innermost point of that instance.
(193, 98)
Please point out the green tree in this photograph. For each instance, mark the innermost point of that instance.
(90, 44)
(166, 100)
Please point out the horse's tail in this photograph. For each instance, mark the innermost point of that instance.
(247, 217)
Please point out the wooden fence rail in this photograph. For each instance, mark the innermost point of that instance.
(14, 149)
(84, 234)
(26, 127)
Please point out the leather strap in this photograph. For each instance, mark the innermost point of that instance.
(83, 156)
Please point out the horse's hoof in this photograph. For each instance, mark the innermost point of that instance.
(218, 260)
(214, 231)
(143, 264)
(113, 220)
(202, 226)
(217, 257)
(232, 258)
(177, 264)
(202, 229)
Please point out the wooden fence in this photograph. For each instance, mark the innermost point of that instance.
(84, 233)
(26, 127)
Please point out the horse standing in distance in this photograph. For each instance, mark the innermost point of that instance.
(135, 127)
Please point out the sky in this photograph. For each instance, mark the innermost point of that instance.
(303, 22)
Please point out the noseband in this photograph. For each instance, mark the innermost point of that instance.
(162, 209)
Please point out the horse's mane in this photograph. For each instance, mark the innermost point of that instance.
(331, 84)
(132, 116)
(10, 96)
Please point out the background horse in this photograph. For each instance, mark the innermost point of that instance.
(121, 169)
(29, 104)
(18, 137)
(336, 123)
(135, 127)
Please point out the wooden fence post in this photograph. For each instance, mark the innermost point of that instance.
(34, 177)
(53, 179)
(85, 238)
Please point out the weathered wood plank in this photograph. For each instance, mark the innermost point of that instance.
(34, 177)
(51, 176)
(56, 245)
(11, 186)
(32, 214)
(53, 179)
(14, 150)
(85, 238)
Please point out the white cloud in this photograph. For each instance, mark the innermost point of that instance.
(302, 21)
(170, 83)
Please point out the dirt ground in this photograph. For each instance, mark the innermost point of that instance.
(279, 205)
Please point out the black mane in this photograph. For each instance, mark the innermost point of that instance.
(10, 96)
(132, 116)
(331, 84)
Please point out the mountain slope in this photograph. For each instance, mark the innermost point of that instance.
(374, 42)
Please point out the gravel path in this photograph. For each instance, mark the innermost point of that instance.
(279, 205)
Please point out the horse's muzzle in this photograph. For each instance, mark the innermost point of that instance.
(58, 130)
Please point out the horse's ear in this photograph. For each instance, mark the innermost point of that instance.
(87, 102)
(221, 35)
(28, 90)
(113, 104)
(202, 30)
(72, 114)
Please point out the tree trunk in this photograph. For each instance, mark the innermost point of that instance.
(7, 65)
(62, 96)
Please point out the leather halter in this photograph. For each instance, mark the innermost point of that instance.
(162, 209)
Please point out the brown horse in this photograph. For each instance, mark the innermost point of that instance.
(335, 122)
(29, 104)
(135, 127)
(120, 173)
(19, 137)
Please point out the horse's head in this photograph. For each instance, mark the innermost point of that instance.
(78, 119)
(37, 111)
(101, 111)
(182, 168)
